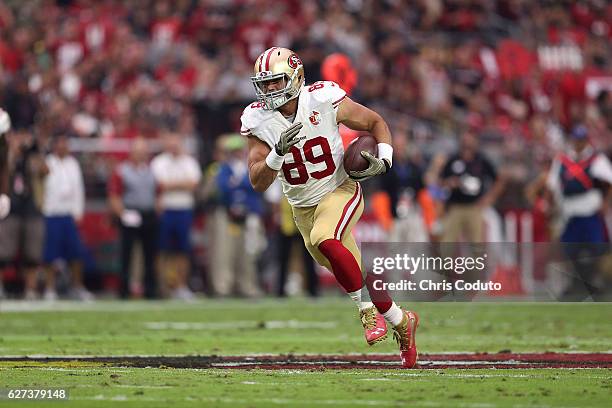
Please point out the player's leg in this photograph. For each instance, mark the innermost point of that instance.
(74, 256)
(167, 258)
(348, 274)
(338, 213)
(222, 273)
(380, 298)
(52, 251)
(182, 225)
(331, 239)
(304, 218)
(33, 247)
(148, 237)
(404, 323)
(128, 237)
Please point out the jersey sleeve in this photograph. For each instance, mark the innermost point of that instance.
(248, 120)
(327, 91)
(251, 123)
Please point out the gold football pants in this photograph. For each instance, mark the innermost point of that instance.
(333, 218)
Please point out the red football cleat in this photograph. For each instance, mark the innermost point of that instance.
(405, 336)
(374, 325)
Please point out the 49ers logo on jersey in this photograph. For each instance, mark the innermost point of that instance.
(294, 61)
(314, 118)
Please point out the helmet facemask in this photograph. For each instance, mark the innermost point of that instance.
(290, 89)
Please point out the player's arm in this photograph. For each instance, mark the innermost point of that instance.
(260, 174)
(264, 163)
(115, 190)
(357, 117)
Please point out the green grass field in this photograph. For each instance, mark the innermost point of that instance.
(329, 326)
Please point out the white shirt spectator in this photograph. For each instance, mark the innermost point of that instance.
(169, 168)
(64, 191)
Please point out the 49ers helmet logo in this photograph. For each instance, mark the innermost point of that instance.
(294, 61)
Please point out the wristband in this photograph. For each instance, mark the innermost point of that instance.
(385, 152)
(274, 161)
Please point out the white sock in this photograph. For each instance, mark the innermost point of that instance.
(356, 296)
(394, 315)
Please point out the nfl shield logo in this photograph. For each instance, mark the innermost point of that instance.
(314, 118)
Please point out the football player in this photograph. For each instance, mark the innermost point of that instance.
(5, 202)
(293, 134)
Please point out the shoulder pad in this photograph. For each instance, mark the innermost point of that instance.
(326, 91)
(252, 116)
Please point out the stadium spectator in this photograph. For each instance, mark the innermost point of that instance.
(22, 232)
(132, 198)
(63, 208)
(579, 180)
(177, 175)
(241, 230)
(404, 184)
(474, 185)
(515, 71)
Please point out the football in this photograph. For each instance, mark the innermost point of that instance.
(353, 160)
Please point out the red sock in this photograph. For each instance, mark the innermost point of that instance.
(344, 266)
(380, 298)
(348, 274)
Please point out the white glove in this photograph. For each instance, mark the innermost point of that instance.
(5, 206)
(5, 122)
(131, 218)
(377, 166)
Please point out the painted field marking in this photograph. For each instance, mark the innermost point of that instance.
(25, 306)
(310, 402)
(240, 324)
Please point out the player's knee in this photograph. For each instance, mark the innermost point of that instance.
(319, 235)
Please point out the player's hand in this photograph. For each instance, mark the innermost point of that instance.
(5, 122)
(288, 138)
(377, 166)
(5, 206)
(131, 218)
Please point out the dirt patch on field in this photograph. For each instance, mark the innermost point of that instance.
(366, 361)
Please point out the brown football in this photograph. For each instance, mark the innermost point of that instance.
(353, 160)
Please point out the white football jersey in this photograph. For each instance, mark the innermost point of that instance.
(313, 167)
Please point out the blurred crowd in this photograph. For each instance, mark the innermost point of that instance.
(116, 69)
(509, 77)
